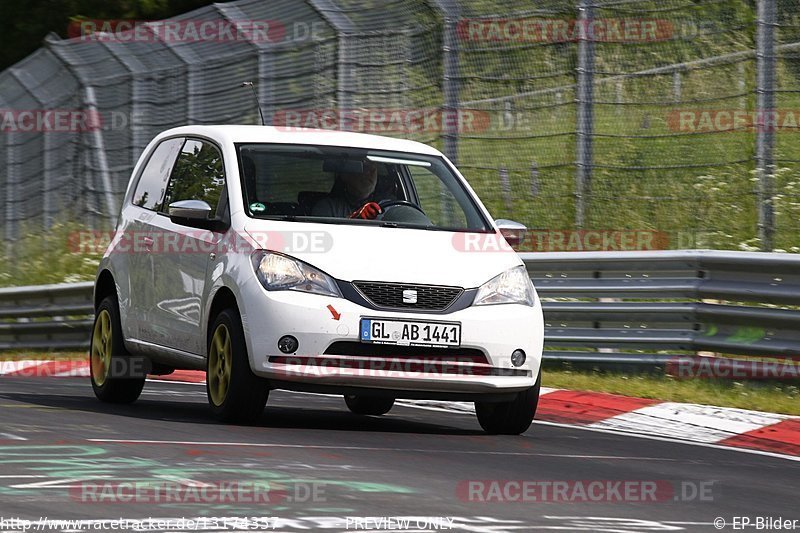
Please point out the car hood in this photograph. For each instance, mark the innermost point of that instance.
(354, 252)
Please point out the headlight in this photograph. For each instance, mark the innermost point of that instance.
(278, 272)
(511, 287)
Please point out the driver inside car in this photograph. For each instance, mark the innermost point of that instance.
(352, 196)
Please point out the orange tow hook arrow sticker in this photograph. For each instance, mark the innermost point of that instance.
(336, 315)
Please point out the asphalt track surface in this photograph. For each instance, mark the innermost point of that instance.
(330, 468)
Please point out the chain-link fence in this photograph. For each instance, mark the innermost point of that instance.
(672, 117)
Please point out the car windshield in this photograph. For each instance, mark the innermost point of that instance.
(333, 184)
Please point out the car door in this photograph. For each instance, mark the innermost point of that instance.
(183, 252)
(135, 241)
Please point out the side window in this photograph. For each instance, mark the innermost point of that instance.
(436, 199)
(198, 175)
(153, 181)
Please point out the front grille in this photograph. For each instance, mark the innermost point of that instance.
(390, 295)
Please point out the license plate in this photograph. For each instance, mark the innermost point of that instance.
(410, 333)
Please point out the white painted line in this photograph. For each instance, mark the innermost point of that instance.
(20, 476)
(668, 439)
(689, 523)
(359, 448)
(9, 436)
(55, 483)
(698, 423)
(436, 405)
(185, 481)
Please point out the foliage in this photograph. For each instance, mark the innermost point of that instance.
(27, 23)
(53, 256)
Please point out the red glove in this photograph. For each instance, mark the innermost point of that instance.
(367, 211)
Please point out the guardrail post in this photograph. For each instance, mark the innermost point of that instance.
(11, 197)
(99, 150)
(585, 123)
(450, 80)
(765, 110)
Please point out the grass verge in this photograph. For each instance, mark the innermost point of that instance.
(52, 256)
(767, 396)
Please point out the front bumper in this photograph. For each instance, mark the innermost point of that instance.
(495, 331)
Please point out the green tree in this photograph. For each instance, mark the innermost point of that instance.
(26, 24)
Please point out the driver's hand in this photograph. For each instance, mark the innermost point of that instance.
(367, 211)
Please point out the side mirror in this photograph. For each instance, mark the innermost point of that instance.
(190, 209)
(513, 232)
(194, 213)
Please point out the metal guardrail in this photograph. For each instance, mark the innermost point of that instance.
(639, 308)
(46, 317)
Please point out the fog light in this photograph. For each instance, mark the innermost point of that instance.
(518, 358)
(288, 344)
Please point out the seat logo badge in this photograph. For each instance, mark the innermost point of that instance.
(409, 296)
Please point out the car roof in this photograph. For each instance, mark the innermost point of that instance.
(291, 135)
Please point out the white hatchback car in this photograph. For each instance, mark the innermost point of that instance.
(314, 261)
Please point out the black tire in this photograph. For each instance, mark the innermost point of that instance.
(510, 418)
(243, 398)
(107, 339)
(368, 405)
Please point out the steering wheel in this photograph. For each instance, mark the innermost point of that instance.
(386, 204)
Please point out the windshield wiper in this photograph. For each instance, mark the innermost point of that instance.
(388, 224)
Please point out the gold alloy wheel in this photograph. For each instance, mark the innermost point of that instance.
(220, 356)
(102, 340)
